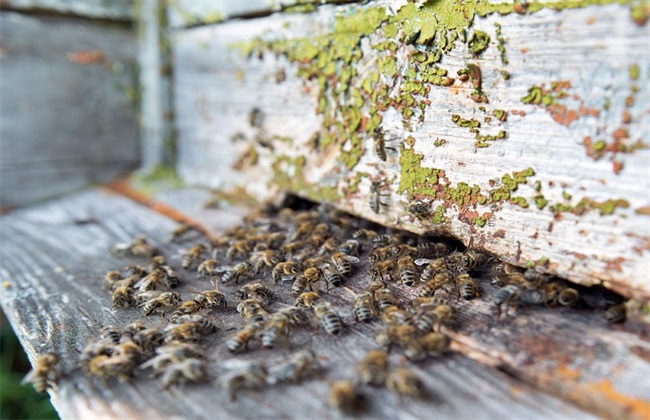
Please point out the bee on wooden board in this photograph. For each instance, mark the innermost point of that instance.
(400, 335)
(328, 318)
(432, 344)
(373, 369)
(307, 300)
(405, 382)
(505, 296)
(240, 340)
(407, 271)
(276, 329)
(265, 259)
(139, 247)
(393, 315)
(344, 262)
(310, 276)
(180, 372)
(254, 291)
(252, 311)
(208, 268)
(332, 276)
(364, 307)
(122, 297)
(182, 232)
(299, 365)
(616, 314)
(234, 273)
(430, 287)
(161, 303)
(285, 271)
(193, 255)
(344, 396)
(382, 271)
(379, 142)
(467, 288)
(44, 374)
(171, 353)
(254, 376)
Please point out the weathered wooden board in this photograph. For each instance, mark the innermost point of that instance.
(566, 189)
(54, 256)
(69, 118)
(97, 9)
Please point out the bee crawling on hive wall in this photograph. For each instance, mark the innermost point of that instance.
(44, 373)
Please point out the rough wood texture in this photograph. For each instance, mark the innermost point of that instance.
(102, 9)
(567, 189)
(68, 111)
(54, 256)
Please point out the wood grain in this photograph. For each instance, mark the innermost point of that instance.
(119, 10)
(217, 88)
(69, 116)
(54, 256)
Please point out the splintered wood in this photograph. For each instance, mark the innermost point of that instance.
(304, 310)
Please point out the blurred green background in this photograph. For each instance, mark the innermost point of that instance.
(16, 401)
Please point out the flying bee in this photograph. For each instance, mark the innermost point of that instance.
(298, 366)
(343, 262)
(382, 270)
(375, 197)
(140, 247)
(180, 233)
(467, 288)
(344, 396)
(400, 335)
(350, 247)
(331, 275)
(307, 300)
(183, 371)
(193, 255)
(252, 311)
(405, 382)
(407, 271)
(253, 376)
(310, 276)
(616, 314)
(122, 297)
(393, 315)
(234, 273)
(265, 259)
(285, 271)
(432, 344)
(44, 373)
(161, 303)
(208, 268)
(505, 296)
(239, 341)
(385, 298)
(364, 306)
(373, 369)
(329, 319)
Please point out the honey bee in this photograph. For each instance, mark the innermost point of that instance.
(568, 297)
(253, 377)
(375, 197)
(209, 299)
(396, 334)
(44, 373)
(170, 353)
(111, 334)
(373, 369)
(343, 262)
(331, 275)
(265, 259)
(120, 363)
(350, 247)
(466, 286)
(235, 272)
(407, 271)
(307, 300)
(157, 279)
(430, 287)
(379, 142)
(276, 329)
(110, 280)
(298, 366)
(239, 341)
(393, 315)
(138, 248)
(329, 319)
(310, 276)
(161, 303)
(122, 297)
(616, 314)
(432, 344)
(189, 330)
(181, 232)
(554, 290)
(252, 311)
(432, 249)
(426, 319)
(502, 271)
(344, 396)
(192, 256)
(505, 296)
(329, 246)
(255, 291)
(285, 271)
(364, 306)
(208, 268)
(183, 371)
(364, 234)
(536, 278)
(405, 382)
(420, 209)
(385, 298)
(383, 253)
(382, 270)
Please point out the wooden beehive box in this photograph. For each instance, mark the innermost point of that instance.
(520, 127)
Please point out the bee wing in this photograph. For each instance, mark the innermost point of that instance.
(353, 260)
(28, 378)
(422, 261)
(224, 268)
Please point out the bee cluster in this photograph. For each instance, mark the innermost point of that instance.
(286, 272)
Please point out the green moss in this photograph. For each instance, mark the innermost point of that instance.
(479, 221)
(159, 178)
(413, 177)
(607, 207)
(438, 215)
(500, 114)
(519, 201)
(540, 201)
(478, 42)
(501, 44)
